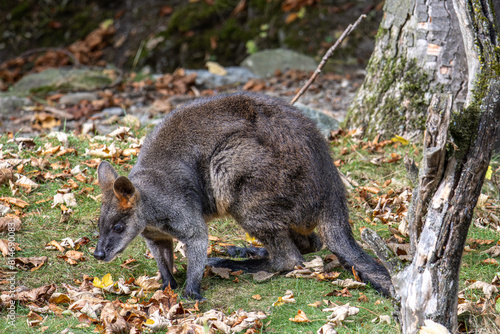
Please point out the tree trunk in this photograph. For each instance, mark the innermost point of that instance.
(418, 52)
(457, 150)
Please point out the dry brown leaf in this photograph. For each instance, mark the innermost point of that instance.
(8, 247)
(37, 295)
(300, 317)
(221, 272)
(15, 201)
(315, 304)
(328, 328)
(31, 263)
(113, 322)
(262, 276)
(363, 298)
(147, 283)
(490, 261)
(34, 319)
(493, 251)
(340, 313)
(54, 245)
(10, 223)
(488, 289)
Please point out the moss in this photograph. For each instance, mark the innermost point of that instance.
(397, 89)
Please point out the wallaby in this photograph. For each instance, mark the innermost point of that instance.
(249, 156)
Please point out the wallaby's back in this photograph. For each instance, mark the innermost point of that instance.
(261, 161)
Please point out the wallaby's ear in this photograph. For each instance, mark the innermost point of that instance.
(125, 192)
(106, 175)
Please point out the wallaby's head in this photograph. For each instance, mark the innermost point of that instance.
(118, 222)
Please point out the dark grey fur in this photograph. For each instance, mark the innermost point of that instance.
(252, 157)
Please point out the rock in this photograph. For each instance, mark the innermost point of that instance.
(325, 123)
(265, 63)
(234, 76)
(54, 79)
(113, 111)
(10, 103)
(75, 98)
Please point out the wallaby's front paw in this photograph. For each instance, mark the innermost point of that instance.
(192, 295)
(172, 285)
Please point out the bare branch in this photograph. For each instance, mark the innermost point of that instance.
(384, 253)
(327, 55)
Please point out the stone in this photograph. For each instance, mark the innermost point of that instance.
(75, 98)
(235, 75)
(265, 63)
(10, 103)
(54, 79)
(324, 122)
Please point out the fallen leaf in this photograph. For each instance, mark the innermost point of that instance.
(147, 283)
(349, 283)
(300, 317)
(106, 281)
(8, 247)
(399, 139)
(494, 251)
(215, 68)
(113, 322)
(10, 223)
(221, 272)
(340, 313)
(488, 289)
(363, 298)
(68, 199)
(490, 261)
(15, 201)
(262, 276)
(30, 263)
(431, 327)
(315, 304)
(327, 328)
(257, 297)
(288, 298)
(37, 295)
(54, 245)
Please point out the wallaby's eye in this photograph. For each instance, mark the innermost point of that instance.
(118, 228)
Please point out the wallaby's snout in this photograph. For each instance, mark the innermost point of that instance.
(99, 254)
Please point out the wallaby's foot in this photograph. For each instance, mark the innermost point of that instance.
(246, 252)
(172, 285)
(249, 266)
(192, 294)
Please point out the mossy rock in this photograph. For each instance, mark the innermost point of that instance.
(61, 79)
(265, 63)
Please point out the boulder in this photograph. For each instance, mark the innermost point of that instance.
(265, 63)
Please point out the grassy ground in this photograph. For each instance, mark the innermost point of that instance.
(365, 163)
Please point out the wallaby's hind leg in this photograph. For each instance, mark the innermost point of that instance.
(308, 243)
(283, 254)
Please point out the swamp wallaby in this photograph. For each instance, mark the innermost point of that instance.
(249, 156)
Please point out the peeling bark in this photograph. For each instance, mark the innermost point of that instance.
(435, 140)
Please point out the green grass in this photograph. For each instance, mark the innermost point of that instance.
(41, 224)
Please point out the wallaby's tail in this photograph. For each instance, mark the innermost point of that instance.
(337, 236)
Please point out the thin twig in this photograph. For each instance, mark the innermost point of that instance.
(327, 55)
